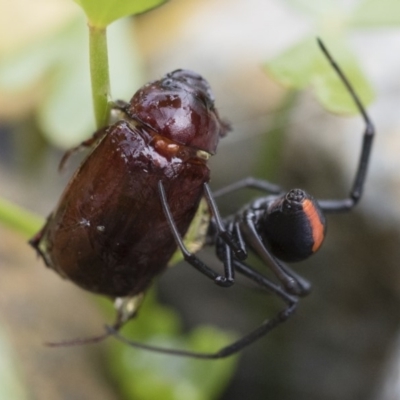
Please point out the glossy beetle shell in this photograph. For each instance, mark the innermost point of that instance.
(189, 120)
(108, 233)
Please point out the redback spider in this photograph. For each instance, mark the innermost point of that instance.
(281, 227)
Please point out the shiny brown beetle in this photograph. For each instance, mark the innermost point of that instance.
(109, 233)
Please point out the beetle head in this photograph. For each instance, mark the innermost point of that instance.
(180, 107)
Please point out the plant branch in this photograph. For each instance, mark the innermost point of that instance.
(99, 74)
(19, 219)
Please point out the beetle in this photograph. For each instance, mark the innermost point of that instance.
(278, 228)
(108, 234)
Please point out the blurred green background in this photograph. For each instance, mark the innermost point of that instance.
(259, 59)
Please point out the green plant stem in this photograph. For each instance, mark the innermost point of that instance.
(19, 219)
(99, 74)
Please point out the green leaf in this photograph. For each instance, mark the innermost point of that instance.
(313, 7)
(29, 64)
(375, 13)
(101, 13)
(66, 114)
(145, 375)
(294, 68)
(304, 64)
(53, 64)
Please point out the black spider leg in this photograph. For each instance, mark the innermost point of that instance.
(249, 182)
(266, 326)
(358, 185)
(291, 281)
(237, 248)
(191, 258)
(341, 205)
(223, 249)
(304, 284)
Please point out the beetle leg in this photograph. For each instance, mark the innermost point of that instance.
(35, 241)
(127, 308)
(84, 145)
(119, 105)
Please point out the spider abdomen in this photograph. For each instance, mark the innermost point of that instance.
(293, 226)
